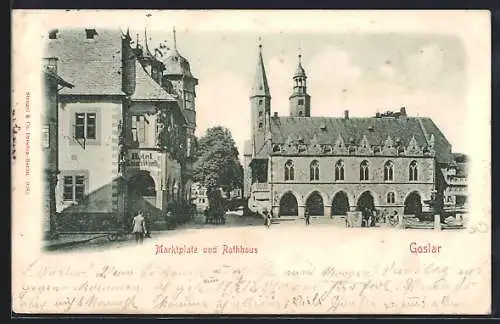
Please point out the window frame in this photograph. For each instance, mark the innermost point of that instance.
(389, 171)
(73, 175)
(413, 171)
(391, 197)
(339, 171)
(314, 171)
(289, 171)
(364, 170)
(75, 140)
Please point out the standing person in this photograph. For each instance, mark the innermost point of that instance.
(307, 217)
(139, 227)
(267, 217)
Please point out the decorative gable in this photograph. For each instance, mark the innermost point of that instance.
(339, 147)
(364, 146)
(413, 147)
(314, 146)
(389, 147)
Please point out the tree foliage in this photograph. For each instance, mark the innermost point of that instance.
(216, 161)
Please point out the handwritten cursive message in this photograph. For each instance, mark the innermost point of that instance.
(159, 287)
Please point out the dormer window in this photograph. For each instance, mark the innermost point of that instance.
(90, 33)
(53, 34)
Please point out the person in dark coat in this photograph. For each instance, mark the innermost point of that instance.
(307, 217)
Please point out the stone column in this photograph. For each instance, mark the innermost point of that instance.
(327, 211)
(301, 210)
(437, 222)
(276, 211)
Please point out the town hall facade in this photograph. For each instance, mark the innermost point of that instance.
(334, 165)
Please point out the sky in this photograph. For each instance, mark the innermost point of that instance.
(363, 73)
(434, 63)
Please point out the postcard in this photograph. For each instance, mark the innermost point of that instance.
(251, 162)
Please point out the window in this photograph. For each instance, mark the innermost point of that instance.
(260, 113)
(301, 102)
(413, 172)
(300, 113)
(339, 170)
(139, 128)
(289, 172)
(85, 126)
(363, 171)
(90, 33)
(260, 102)
(260, 125)
(74, 187)
(391, 198)
(314, 170)
(388, 171)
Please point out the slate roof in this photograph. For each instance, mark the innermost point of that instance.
(327, 130)
(147, 89)
(94, 66)
(52, 75)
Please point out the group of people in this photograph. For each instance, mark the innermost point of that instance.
(368, 217)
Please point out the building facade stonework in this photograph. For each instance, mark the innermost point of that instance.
(124, 130)
(333, 165)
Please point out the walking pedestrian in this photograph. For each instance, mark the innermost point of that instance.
(139, 227)
(307, 217)
(267, 217)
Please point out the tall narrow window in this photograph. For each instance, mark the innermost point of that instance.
(339, 170)
(363, 171)
(85, 125)
(314, 170)
(289, 172)
(391, 198)
(413, 170)
(388, 171)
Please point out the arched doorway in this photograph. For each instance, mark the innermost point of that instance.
(288, 205)
(314, 204)
(340, 204)
(413, 204)
(366, 201)
(142, 185)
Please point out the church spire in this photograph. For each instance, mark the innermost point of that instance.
(260, 86)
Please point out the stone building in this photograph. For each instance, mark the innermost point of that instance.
(455, 176)
(125, 129)
(333, 165)
(52, 84)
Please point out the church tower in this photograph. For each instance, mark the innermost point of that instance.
(260, 100)
(300, 101)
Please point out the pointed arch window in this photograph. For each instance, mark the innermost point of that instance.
(391, 197)
(389, 171)
(289, 170)
(339, 170)
(314, 170)
(363, 171)
(413, 171)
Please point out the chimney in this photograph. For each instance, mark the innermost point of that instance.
(346, 114)
(50, 63)
(275, 114)
(402, 111)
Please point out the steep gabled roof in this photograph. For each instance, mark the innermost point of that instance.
(147, 89)
(94, 66)
(326, 130)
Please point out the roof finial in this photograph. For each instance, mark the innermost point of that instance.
(260, 44)
(175, 39)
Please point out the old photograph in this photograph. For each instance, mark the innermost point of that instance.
(259, 162)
